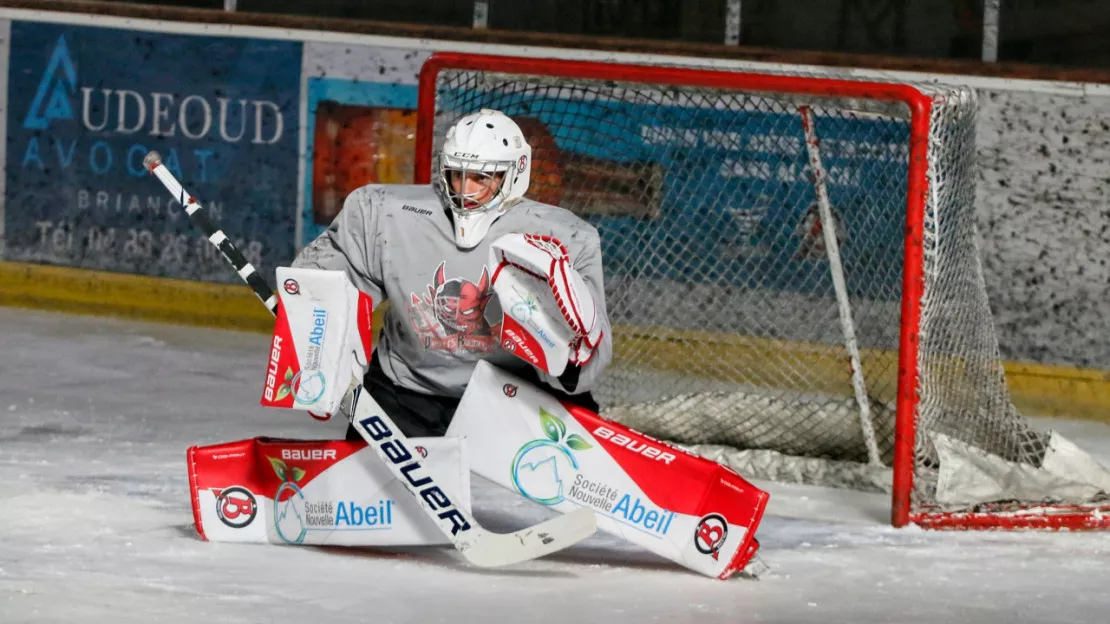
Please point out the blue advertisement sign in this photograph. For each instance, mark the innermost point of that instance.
(725, 194)
(85, 105)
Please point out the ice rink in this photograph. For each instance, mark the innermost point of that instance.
(96, 526)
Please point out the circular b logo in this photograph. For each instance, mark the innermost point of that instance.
(292, 287)
(509, 390)
(710, 534)
(236, 506)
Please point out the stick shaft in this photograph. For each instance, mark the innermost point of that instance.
(199, 216)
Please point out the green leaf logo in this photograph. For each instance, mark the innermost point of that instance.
(283, 392)
(284, 471)
(556, 431)
(552, 426)
(279, 467)
(554, 435)
(578, 443)
(289, 373)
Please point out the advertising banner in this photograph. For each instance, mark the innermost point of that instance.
(87, 104)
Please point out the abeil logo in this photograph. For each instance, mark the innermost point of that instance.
(642, 448)
(308, 454)
(272, 369)
(542, 335)
(319, 326)
(538, 465)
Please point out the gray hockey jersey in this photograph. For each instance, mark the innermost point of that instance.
(396, 243)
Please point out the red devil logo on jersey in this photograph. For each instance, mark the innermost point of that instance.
(459, 303)
(449, 316)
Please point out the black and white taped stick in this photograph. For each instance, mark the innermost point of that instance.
(199, 215)
(480, 546)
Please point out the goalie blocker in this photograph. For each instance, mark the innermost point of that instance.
(322, 339)
(683, 507)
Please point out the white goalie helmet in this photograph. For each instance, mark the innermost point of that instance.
(489, 146)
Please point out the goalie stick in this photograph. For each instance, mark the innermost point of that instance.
(478, 545)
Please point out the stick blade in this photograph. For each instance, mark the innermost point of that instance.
(500, 549)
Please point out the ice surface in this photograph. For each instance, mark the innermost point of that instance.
(95, 522)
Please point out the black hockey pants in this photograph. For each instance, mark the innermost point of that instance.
(423, 415)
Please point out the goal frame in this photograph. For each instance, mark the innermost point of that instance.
(913, 267)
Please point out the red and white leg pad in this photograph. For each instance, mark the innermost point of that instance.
(683, 507)
(317, 492)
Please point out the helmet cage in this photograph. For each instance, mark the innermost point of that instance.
(487, 170)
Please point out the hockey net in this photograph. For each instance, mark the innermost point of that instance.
(792, 274)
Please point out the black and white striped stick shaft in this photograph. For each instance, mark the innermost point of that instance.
(216, 236)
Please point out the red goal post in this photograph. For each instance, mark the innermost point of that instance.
(579, 111)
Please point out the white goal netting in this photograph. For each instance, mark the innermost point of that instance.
(733, 332)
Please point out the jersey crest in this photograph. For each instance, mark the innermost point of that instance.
(449, 316)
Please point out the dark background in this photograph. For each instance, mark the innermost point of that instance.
(1068, 33)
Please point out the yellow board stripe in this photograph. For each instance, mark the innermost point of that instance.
(1035, 388)
(1060, 390)
(741, 359)
(228, 306)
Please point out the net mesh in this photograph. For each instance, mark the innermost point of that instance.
(963, 385)
(726, 326)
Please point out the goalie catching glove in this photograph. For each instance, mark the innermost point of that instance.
(548, 313)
